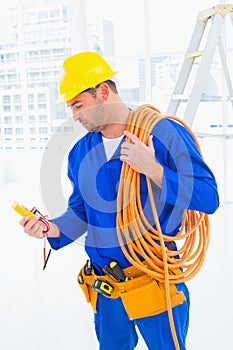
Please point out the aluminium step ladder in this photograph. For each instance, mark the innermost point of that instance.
(217, 15)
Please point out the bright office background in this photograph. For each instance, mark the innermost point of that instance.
(44, 310)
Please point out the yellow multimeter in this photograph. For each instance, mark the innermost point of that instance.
(22, 211)
(30, 214)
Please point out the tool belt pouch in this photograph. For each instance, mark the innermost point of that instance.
(146, 297)
(85, 282)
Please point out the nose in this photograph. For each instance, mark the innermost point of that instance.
(76, 115)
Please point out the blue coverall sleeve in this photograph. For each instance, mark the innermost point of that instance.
(187, 180)
(72, 223)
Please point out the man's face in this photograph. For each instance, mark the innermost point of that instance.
(89, 111)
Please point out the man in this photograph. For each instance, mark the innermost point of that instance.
(180, 179)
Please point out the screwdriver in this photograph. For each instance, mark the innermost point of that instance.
(115, 271)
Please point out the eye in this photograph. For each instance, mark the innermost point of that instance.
(76, 106)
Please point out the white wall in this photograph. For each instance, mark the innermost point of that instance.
(40, 310)
(45, 310)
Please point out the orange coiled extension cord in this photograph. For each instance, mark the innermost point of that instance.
(137, 236)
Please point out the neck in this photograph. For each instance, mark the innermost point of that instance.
(117, 125)
(112, 131)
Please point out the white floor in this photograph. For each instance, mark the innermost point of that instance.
(46, 310)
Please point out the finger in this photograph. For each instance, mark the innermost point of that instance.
(125, 159)
(132, 137)
(150, 142)
(125, 145)
(36, 230)
(32, 221)
(124, 156)
(32, 225)
(24, 220)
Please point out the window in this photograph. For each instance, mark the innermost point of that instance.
(18, 119)
(32, 55)
(19, 131)
(11, 57)
(42, 118)
(8, 131)
(6, 99)
(34, 76)
(32, 130)
(43, 15)
(41, 100)
(54, 13)
(45, 53)
(6, 108)
(46, 75)
(31, 119)
(2, 79)
(68, 129)
(41, 97)
(42, 105)
(43, 130)
(7, 120)
(18, 108)
(30, 98)
(17, 99)
(56, 129)
(58, 53)
(12, 78)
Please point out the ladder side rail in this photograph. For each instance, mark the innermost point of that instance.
(226, 70)
(231, 18)
(187, 65)
(203, 69)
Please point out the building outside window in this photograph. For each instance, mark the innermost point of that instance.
(7, 120)
(42, 118)
(19, 131)
(18, 119)
(8, 131)
(43, 130)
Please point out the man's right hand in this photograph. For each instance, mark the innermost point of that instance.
(35, 227)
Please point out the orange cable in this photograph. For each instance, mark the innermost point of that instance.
(137, 236)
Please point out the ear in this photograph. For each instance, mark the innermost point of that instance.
(103, 91)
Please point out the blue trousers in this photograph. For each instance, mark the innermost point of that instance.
(115, 331)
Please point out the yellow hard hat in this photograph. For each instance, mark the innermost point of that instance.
(80, 72)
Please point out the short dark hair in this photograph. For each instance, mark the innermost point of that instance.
(110, 83)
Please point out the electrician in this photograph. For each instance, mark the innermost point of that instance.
(181, 180)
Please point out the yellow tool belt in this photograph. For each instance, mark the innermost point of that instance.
(141, 295)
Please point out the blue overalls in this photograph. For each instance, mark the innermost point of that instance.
(187, 183)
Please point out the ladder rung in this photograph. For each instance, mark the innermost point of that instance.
(185, 97)
(221, 9)
(194, 54)
(180, 97)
